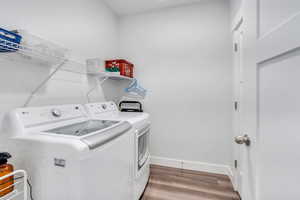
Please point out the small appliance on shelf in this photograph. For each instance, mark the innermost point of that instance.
(130, 106)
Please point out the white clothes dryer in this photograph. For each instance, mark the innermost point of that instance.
(141, 152)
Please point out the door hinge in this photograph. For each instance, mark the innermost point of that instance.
(236, 47)
(235, 164)
(236, 105)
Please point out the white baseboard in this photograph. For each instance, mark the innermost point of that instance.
(166, 162)
(193, 165)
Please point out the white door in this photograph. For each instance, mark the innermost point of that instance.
(278, 136)
(238, 107)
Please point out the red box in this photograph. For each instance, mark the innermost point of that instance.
(122, 66)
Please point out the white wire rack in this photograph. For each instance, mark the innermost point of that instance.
(38, 54)
(39, 51)
(109, 75)
(36, 50)
(19, 186)
(74, 67)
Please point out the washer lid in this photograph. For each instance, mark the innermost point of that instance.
(97, 140)
(83, 128)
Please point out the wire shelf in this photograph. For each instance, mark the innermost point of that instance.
(33, 49)
(38, 54)
(36, 50)
(74, 67)
(19, 185)
(109, 75)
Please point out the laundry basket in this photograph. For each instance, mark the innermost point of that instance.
(19, 185)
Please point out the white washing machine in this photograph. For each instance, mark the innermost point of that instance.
(70, 156)
(141, 153)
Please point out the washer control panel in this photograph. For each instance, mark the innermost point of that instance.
(41, 115)
(102, 108)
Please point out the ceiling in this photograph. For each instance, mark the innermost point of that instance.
(127, 7)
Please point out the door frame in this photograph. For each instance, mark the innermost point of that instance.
(237, 34)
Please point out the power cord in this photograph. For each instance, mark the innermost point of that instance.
(30, 189)
(28, 183)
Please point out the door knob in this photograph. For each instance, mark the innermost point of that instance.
(243, 140)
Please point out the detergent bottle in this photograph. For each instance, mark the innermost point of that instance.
(6, 185)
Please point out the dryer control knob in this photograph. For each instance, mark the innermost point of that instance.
(104, 106)
(56, 113)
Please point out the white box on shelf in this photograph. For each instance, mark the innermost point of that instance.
(95, 65)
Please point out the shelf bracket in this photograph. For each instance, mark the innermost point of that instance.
(59, 66)
(94, 88)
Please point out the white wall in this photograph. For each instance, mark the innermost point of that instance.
(87, 28)
(183, 57)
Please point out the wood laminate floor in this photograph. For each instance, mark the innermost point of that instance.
(175, 184)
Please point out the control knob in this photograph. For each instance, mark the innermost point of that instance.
(56, 113)
(104, 106)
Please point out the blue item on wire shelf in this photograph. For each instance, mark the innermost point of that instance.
(9, 41)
